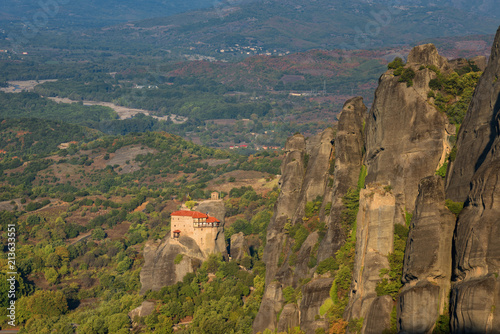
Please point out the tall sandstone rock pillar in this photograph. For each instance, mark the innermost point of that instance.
(302, 181)
(292, 177)
(348, 155)
(475, 297)
(406, 140)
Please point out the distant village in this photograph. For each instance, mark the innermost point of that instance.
(252, 50)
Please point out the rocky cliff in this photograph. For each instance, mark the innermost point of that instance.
(478, 131)
(406, 140)
(476, 287)
(160, 266)
(411, 252)
(315, 173)
(427, 264)
(347, 157)
(420, 265)
(167, 261)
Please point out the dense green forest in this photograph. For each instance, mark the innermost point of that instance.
(79, 232)
(31, 105)
(107, 270)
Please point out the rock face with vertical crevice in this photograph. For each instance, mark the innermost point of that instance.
(427, 264)
(307, 174)
(478, 130)
(476, 290)
(406, 140)
(348, 156)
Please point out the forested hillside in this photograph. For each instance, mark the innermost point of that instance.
(85, 203)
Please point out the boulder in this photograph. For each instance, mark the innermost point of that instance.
(314, 295)
(289, 318)
(378, 318)
(238, 246)
(160, 268)
(419, 308)
(145, 309)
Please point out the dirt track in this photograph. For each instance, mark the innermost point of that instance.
(23, 86)
(123, 112)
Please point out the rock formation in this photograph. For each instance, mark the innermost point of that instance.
(427, 264)
(292, 175)
(167, 261)
(476, 289)
(406, 136)
(160, 268)
(406, 140)
(348, 157)
(145, 309)
(314, 294)
(478, 131)
(238, 246)
(307, 172)
(374, 242)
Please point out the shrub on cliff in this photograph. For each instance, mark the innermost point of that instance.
(407, 76)
(396, 63)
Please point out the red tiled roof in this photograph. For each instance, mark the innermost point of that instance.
(187, 213)
(212, 220)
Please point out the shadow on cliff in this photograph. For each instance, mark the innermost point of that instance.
(493, 135)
